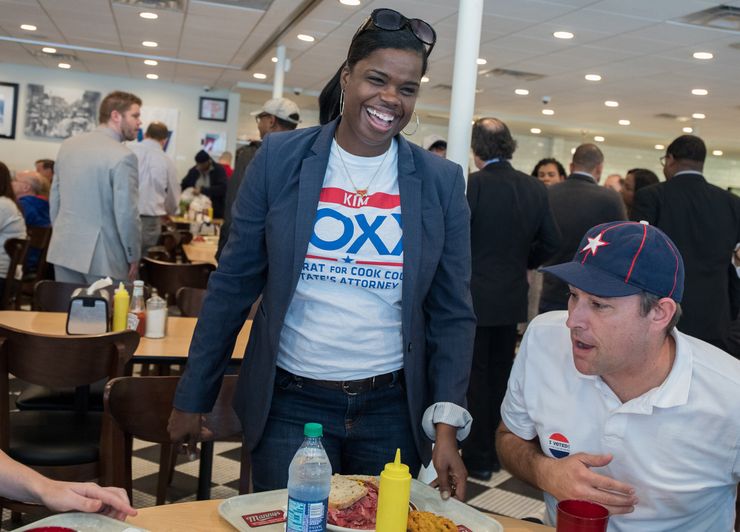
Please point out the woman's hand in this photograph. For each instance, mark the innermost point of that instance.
(85, 497)
(451, 473)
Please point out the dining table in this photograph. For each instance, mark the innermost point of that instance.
(204, 515)
(202, 249)
(173, 348)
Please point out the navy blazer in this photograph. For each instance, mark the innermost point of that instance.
(272, 223)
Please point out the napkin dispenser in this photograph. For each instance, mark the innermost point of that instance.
(89, 309)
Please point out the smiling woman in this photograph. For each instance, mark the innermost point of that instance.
(359, 243)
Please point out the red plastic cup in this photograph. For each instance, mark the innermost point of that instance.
(581, 516)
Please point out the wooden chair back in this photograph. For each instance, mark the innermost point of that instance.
(39, 238)
(16, 248)
(140, 407)
(168, 278)
(189, 300)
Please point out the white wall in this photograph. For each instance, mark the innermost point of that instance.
(21, 152)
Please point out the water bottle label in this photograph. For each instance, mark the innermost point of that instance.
(306, 516)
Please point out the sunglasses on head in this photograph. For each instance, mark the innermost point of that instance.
(391, 20)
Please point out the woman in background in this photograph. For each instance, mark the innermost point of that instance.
(12, 224)
(549, 171)
(636, 179)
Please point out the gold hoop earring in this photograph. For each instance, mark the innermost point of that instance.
(415, 129)
(341, 103)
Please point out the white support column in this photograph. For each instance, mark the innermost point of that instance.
(464, 77)
(279, 82)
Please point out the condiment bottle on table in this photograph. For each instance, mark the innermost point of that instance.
(156, 316)
(393, 496)
(120, 308)
(137, 311)
(309, 482)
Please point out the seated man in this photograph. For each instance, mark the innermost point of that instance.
(609, 402)
(208, 178)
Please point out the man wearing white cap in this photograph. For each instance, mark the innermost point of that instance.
(277, 114)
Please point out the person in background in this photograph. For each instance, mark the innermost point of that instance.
(614, 182)
(11, 221)
(45, 167)
(159, 189)
(278, 114)
(704, 222)
(609, 402)
(359, 243)
(577, 204)
(225, 161)
(94, 198)
(439, 147)
(22, 483)
(511, 229)
(549, 171)
(209, 178)
(636, 179)
(32, 194)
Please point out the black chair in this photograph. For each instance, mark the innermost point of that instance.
(16, 248)
(39, 238)
(168, 277)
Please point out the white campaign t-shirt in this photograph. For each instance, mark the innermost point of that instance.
(344, 321)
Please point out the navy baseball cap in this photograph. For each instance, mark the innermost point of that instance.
(618, 259)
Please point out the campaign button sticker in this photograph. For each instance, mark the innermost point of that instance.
(559, 445)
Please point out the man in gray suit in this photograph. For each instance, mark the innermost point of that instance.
(577, 205)
(94, 198)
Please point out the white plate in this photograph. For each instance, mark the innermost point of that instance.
(83, 523)
(423, 496)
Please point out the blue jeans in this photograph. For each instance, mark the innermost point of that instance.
(361, 432)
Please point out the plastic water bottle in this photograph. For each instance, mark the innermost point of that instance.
(309, 481)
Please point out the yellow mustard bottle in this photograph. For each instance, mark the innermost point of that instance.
(120, 308)
(393, 496)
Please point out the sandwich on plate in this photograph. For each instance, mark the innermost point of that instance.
(353, 501)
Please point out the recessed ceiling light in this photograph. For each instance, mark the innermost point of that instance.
(259, 75)
(599, 138)
(307, 38)
(535, 130)
(481, 61)
(152, 76)
(148, 15)
(49, 50)
(624, 122)
(350, 2)
(659, 147)
(703, 55)
(424, 79)
(65, 66)
(149, 44)
(699, 116)
(273, 59)
(592, 77)
(563, 35)
(548, 112)
(28, 27)
(688, 129)
(718, 153)
(699, 92)
(611, 103)
(572, 151)
(151, 62)
(521, 92)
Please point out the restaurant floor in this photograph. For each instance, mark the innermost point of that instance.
(502, 494)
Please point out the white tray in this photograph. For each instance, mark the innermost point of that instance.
(83, 523)
(424, 497)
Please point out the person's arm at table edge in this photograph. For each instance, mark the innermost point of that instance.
(22, 483)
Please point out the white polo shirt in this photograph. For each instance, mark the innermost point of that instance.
(678, 444)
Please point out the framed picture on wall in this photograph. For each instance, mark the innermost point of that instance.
(213, 109)
(8, 109)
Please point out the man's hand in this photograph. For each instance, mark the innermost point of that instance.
(572, 478)
(451, 473)
(187, 428)
(85, 497)
(133, 271)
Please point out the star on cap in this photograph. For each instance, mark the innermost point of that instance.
(594, 244)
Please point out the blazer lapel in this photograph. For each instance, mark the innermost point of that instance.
(409, 186)
(310, 182)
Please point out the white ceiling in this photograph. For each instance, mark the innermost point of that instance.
(638, 46)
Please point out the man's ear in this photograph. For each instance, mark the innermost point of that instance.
(662, 313)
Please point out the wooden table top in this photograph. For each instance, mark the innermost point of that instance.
(175, 345)
(203, 250)
(203, 515)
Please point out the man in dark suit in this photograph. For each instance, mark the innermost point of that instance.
(512, 229)
(209, 178)
(578, 204)
(704, 222)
